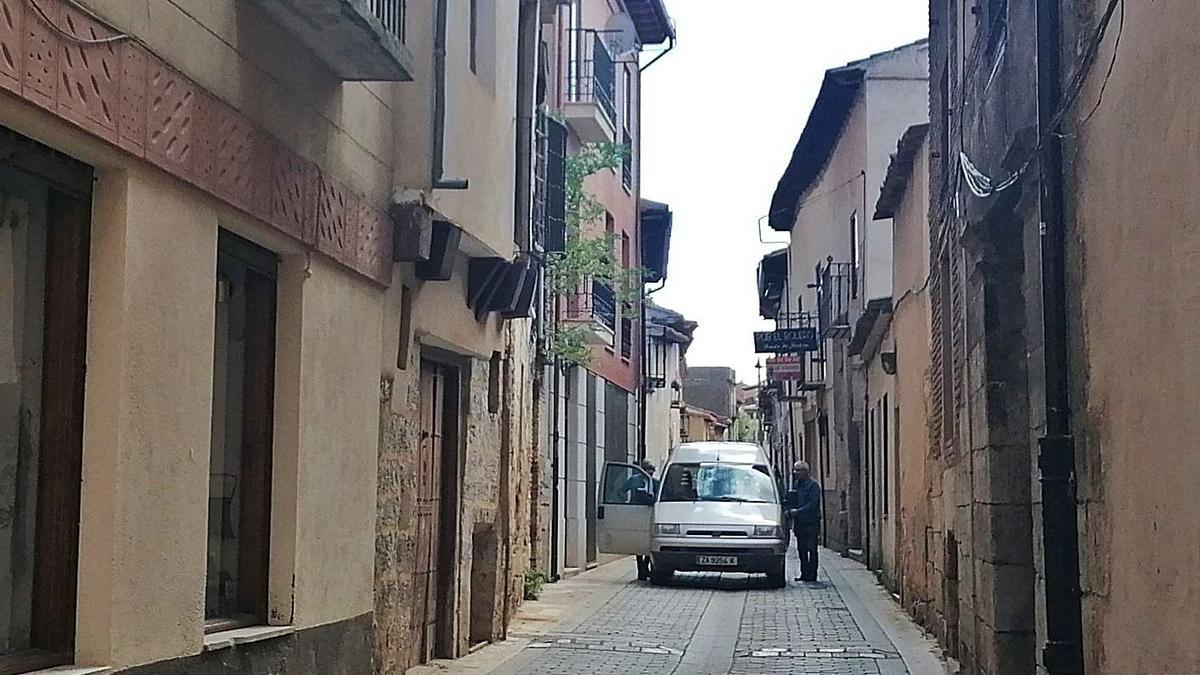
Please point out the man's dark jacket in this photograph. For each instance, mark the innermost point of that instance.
(806, 502)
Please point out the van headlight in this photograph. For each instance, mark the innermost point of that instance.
(666, 529)
(769, 531)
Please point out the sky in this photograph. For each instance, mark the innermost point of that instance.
(720, 116)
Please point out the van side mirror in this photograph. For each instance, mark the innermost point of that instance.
(642, 497)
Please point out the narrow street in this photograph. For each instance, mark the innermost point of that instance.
(605, 621)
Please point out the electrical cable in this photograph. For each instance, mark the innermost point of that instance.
(983, 186)
(120, 37)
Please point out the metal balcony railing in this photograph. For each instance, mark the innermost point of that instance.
(627, 160)
(604, 304)
(591, 73)
(626, 338)
(393, 14)
(595, 304)
(835, 290)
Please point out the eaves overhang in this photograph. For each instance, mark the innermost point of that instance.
(899, 172)
(870, 328)
(828, 117)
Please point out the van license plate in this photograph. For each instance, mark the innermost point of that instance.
(722, 560)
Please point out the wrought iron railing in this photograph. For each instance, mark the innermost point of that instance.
(626, 338)
(835, 289)
(595, 304)
(591, 73)
(627, 160)
(393, 14)
(604, 304)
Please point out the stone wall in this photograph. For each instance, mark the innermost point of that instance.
(494, 544)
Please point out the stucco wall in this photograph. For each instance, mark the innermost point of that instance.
(919, 526)
(896, 96)
(240, 54)
(1135, 250)
(147, 427)
(149, 391)
(663, 422)
(881, 402)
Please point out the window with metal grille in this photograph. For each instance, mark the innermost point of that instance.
(555, 216)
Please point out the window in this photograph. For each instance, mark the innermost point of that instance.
(627, 99)
(495, 366)
(574, 36)
(239, 513)
(627, 484)
(884, 438)
(44, 242)
(474, 36)
(855, 254)
(714, 482)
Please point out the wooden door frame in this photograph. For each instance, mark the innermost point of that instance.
(449, 544)
(65, 334)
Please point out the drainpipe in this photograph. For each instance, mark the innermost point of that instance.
(556, 392)
(1062, 653)
(670, 46)
(438, 165)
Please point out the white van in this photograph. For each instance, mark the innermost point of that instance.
(716, 508)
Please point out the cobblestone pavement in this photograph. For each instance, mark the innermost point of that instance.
(713, 623)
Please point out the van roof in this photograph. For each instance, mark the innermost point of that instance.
(716, 451)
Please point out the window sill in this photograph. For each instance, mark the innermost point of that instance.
(241, 636)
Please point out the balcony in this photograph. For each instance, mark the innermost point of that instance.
(591, 88)
(595, 311)
(357, 39)
(835, 290)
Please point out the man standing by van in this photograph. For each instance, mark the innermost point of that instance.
(805, 509)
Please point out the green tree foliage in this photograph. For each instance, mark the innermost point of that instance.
(588, 255)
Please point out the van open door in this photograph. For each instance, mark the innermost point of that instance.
(626, 510)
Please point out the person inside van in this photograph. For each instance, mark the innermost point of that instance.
(640, 490)
(805, 509)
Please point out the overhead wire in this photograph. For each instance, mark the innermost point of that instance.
(983, 186)
(69, 35)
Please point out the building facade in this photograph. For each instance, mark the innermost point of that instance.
(593, 411)
(1042, 155)
(668, 335)
(267, 381)
(836, 269)
(189, 268)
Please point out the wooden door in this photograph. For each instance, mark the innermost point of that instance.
(429, 481)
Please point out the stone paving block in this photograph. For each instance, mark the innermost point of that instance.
(644, 629)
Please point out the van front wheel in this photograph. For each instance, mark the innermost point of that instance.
(777, 577)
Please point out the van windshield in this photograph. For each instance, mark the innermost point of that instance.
(716, 482)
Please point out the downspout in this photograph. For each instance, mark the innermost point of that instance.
(1062, 654)
(438, 164)
(670, 46)
(556, 392)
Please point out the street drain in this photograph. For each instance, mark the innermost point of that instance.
(821, 653)
(595, 645)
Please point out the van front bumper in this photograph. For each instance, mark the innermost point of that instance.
(685, 554)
